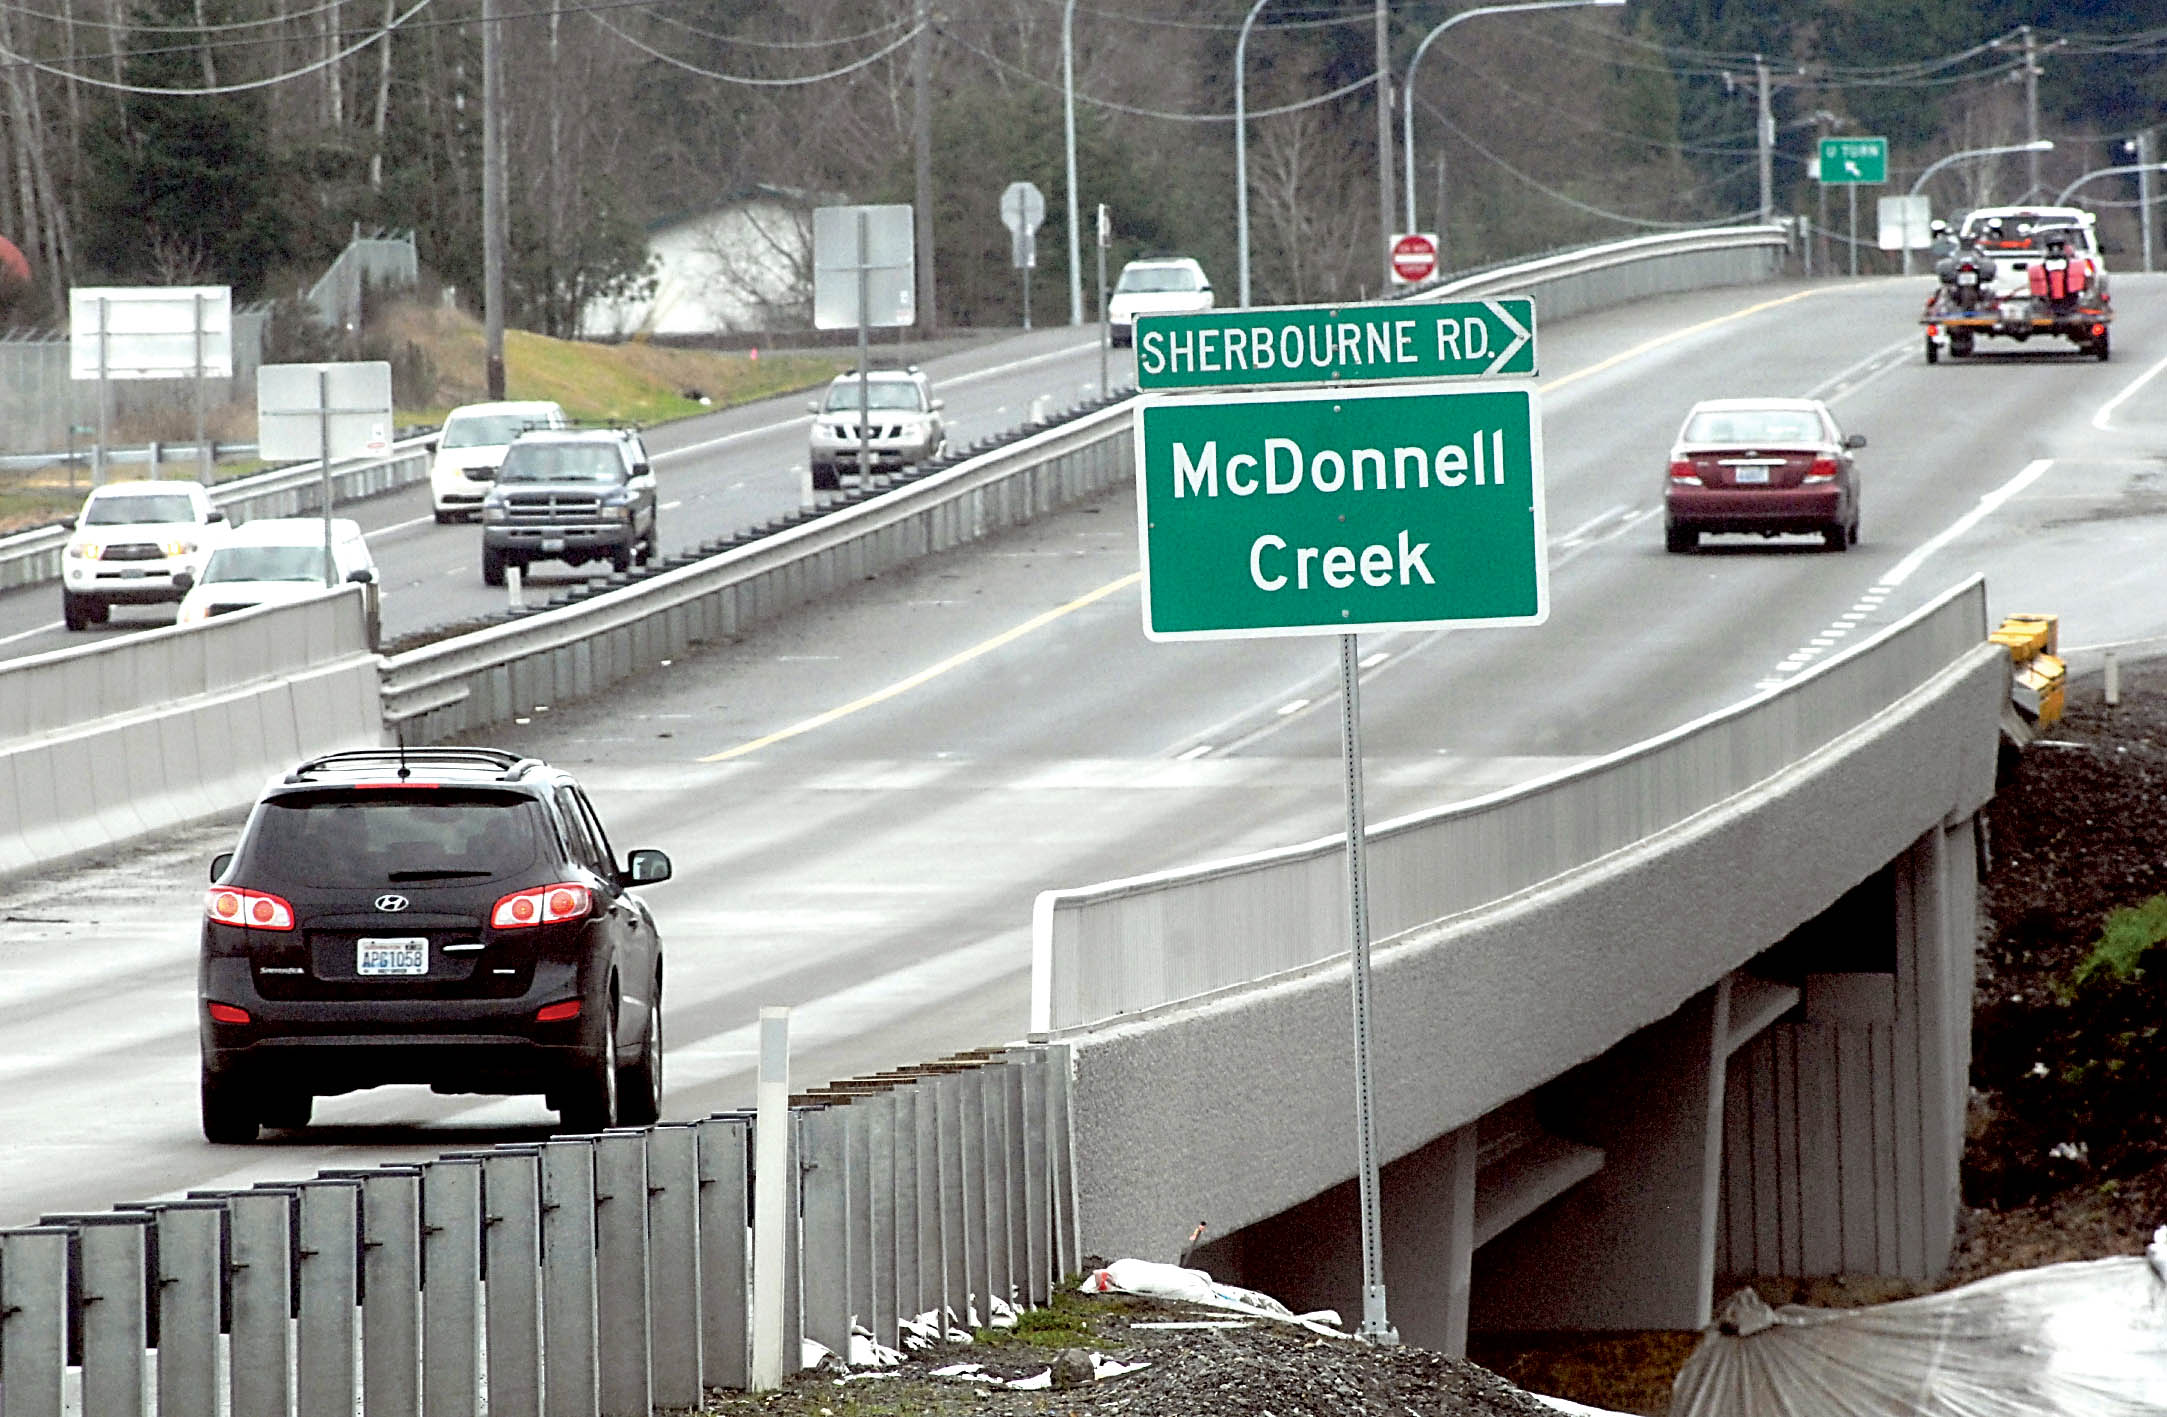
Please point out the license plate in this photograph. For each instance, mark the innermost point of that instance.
(1968, 278)
(1749, 474)
(133, 573)
(552, 543)
(395, 954)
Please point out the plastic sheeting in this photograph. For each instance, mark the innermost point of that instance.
(2084, 1339)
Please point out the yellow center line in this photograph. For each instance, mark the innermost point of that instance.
(928, 674)
(1675, 335)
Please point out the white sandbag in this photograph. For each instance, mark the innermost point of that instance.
(1194, 1286)
(2082, 1339)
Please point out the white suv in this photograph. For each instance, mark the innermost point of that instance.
(903, 416)
(1160, 285)
(129, 541)
(471, 447)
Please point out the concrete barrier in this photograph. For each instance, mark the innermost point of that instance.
(175, 725)
(33, 557)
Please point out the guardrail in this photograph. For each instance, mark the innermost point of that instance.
(1138, 944)
(608, 1275)
(33, 557)
(1594, 277)
(175, 724)
(488, 676)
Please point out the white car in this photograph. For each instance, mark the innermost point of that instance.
(1159, 285)
(471, 447)
(129, 542)
(274, 560)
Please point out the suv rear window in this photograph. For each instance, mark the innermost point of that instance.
(389, 836)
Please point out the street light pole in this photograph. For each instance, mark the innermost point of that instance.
(1407, 121)
(2041, 145)
(1068, 88)
(1384, 145)
(2121, 171)
(1241, 145)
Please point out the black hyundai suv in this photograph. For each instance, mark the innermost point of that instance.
(449, 916)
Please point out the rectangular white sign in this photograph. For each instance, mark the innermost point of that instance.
(887, 258)
(150, 332)
(297, 403)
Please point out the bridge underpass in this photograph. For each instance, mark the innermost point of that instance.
(1737, 1044)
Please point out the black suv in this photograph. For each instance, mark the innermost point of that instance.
(449, 916)
(573, 495)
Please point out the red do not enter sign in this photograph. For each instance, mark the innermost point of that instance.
(1414, 257)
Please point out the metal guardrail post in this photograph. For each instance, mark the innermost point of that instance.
(191, 1249)
(880, 1316)
(673, 1273)
(330, 1228)
(570, 1381)
(903, 1149)
(391, 1292)
(33, 1318)
(1060, 1151)
(794, 1254)
(1028, 1288)
(1000, 1261)
(959, 1245)
(858, 1250)
(114, 1315)
(261, 1301)
(451, 1271)
(932, 1247)
(624, 1339)
(725, 1146)
(823, 1133)
(971, 1182)
(1039, 1273)
(511, 1269)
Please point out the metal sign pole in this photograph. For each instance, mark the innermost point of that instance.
(1851, 189)
(1030, 259)
(865, 298)
(105, 395)
(203, 448)
(1105, 330)
(1375, 1326)
(323, 461)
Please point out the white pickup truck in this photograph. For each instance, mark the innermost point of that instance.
(2059, 245)
(2021, 241)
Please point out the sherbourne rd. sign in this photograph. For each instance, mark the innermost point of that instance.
(1327, 511)
(1330, 344)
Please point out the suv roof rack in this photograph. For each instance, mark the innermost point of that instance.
(510, 766)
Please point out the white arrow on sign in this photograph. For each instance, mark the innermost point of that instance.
(1521, 334)
(1852, 168)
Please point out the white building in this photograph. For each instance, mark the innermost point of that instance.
(745, 265)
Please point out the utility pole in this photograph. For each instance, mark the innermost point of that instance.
(493, 217)
(2031, 107)
(1765, 134)
(921, 70)
(1384, 143)
(2147, 147)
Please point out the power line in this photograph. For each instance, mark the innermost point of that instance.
(115, 86)
(750, 81)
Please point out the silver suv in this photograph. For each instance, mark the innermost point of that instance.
(904, 417)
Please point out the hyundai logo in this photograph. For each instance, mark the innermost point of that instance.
(391, 902)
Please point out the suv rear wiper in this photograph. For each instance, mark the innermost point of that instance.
(435, 875)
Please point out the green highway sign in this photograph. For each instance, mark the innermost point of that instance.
(1328, 511)
(1337, 344)
(1854, 161)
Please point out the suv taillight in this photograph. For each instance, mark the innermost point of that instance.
(544, 905)
(1682, 470)
(251, 910)
(1823, 470)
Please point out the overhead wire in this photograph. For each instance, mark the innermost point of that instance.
(754, 81)
(213, 90)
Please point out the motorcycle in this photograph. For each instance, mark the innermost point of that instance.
(1967, 280)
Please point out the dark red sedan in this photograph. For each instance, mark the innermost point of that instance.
(1768, 467)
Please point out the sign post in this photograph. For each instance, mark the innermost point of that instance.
(1106, 239)
(1023, 211)
(1295, 510)
(1852, 163)
(864, 274)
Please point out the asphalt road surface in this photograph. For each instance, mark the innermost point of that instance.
(863, 800)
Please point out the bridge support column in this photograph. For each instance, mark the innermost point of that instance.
(1631, 1247)
(1310, 1257)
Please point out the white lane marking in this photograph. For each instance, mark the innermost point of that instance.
(1587, 528)
(673, 506)
(1293, 706)
(1197, 752)
(1849, 381)
(403, 526)
(26, 634)
(1988, 505)
(1371, 661)
(2104, 419)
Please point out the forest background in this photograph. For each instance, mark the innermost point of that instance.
(243, 141)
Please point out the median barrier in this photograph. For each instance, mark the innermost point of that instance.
(614, 1269)
(33, 557)
(178, 724)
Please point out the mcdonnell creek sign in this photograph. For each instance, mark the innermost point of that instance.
(1330, 511)
(1337, 344)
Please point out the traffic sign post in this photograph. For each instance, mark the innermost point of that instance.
(1023, 211)
(1313, 511)
(1287, 345)
(864, 274)
(1414, 257)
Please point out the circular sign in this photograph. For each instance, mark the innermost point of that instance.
(1414, 257)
